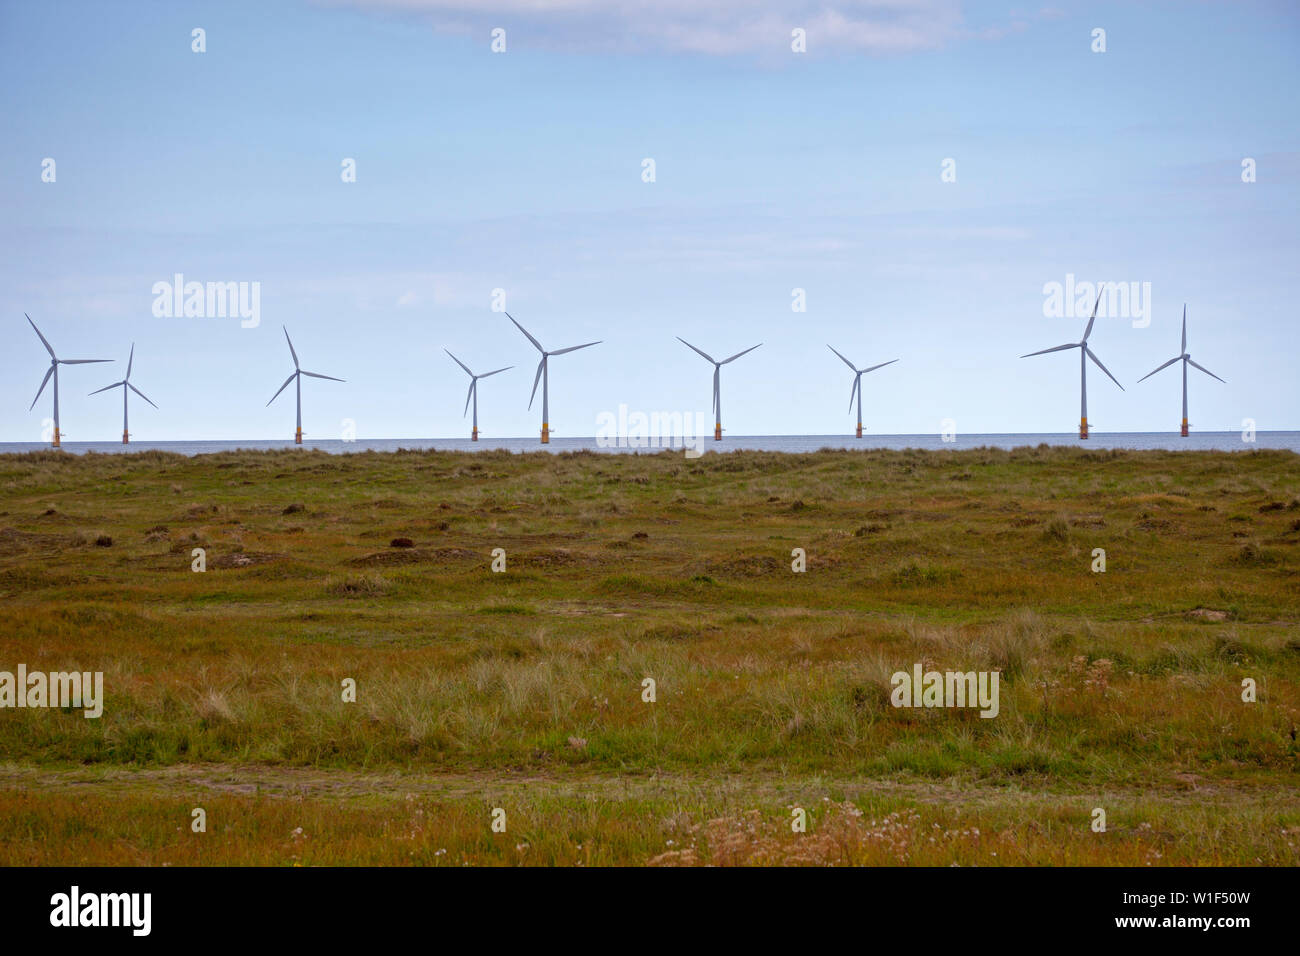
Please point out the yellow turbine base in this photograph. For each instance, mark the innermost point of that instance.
(473, 435)
(297, 436)
(717, 432)
(1083, 428)
(1184, 432)
(859, 429)
(56, 438)
(546, 434)
(126, 438)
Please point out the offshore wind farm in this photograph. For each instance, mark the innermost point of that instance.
(1224, 439)
(1201, 441)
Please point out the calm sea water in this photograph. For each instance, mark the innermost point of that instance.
(1198, 441)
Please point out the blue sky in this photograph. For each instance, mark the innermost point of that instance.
(522, 171)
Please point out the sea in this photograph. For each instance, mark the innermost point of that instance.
(1228, 441)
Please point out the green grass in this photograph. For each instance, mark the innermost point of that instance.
(621, 568)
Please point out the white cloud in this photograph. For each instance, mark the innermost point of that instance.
(710, 27)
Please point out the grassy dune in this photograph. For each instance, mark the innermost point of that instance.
(523, 690)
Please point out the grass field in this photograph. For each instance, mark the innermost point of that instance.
(523, 690)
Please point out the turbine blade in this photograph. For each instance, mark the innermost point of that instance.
(842, 358)
(536, 378)
(527, 333)
(1184, 327)
(881, 365)
(130, 361)
(45, 381)
(574, 348)
(739, 354)
(694, 349)
(1154, 370)
(460, 363)
(104, 389)
(1088, 331)
(1205, 370)
(318, 375)
(283, 387)
(717, 387)
(468, 396)
(494, 371)
(43, 340)
(49, 348)
(1054, 348)
(138, 392)
(1102, 367)
(291, 349)
(853, 393)
(82, 361)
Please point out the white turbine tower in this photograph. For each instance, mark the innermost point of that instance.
(1085, 353)
(1186, 360)
(53, 371)
(473, 390)
(543, 376)
(125, 384)
(717, 382)
(857, 382)
(297, 375)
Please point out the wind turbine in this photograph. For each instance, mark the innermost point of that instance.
(473, 390)
(298, 373)
(1187, 360)
(717, 382)
(1085, 353)
(543, 376)
(53, 370)
(857, 382)
(126, 384)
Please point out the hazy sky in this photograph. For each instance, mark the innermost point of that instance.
(522, 171)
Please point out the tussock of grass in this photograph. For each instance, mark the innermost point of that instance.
(358, 585)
